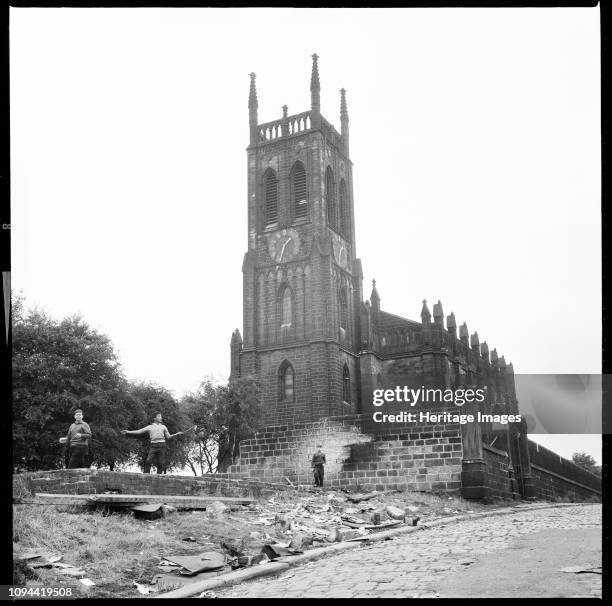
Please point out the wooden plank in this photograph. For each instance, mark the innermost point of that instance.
(128, 500)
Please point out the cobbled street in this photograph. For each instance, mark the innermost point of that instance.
(519, 555)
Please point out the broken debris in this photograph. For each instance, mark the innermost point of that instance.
(215, 509)
(191, 564)
(148, 511)
(358, 498)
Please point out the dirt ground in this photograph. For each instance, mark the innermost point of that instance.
(116, 551)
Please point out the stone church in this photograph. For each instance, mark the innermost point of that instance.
(319, 348)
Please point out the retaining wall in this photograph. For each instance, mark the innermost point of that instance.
(97, 481)
(557, 478)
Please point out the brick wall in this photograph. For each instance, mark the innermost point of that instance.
(95, 481)
(417, 458)
(498, 475)
(414, 457)
(551, 486)
(285, 451)
(555, 477)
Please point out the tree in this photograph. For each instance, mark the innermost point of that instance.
(58, 366)
(109, 412)
(224, 414)
(239, 416)
(586, 461)
(152, 399)
(200, 407)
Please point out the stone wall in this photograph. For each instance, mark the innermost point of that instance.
(409, 457)
(96, 481)
(499, 478)
(285, 451)
(557, 478)
(422, 458)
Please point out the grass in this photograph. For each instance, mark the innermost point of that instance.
(116, 549)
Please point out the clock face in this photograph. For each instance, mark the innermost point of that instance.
(284, 245)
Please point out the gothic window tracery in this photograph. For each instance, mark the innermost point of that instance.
(344, 211)
(343, 305)
(332, 212)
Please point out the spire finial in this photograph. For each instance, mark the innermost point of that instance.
(425, 315)
(315, 85)
(343, 109)
(252, 92)
(285, 108)
(253, 109)
(344, 120)
(375, 297)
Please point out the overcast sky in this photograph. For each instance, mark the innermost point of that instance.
(475, 137)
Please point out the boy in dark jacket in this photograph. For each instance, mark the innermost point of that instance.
(77, 441)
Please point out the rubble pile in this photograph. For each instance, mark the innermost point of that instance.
(290, 524)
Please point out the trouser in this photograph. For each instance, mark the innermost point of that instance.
(79, 456)
(156, 457)
(318, 475)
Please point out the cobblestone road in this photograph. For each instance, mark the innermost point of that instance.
(415, 565)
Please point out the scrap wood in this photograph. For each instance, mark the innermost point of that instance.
(209, 560)
(374, 526)
(358, 498)
(42, 558)
(352, 519)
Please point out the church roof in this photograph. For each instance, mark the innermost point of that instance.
(387, 321)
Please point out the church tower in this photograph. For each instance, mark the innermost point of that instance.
(302, 282)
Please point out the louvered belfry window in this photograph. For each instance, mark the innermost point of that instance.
(300, 201)
(331, 198)
(271, 197)
(344, 214)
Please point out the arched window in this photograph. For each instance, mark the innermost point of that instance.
(286, 307)
(286, 377)
(344, 210)
(343, 305)
(346, 384)
(271, 197)
(298, 191)
(332, 213)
